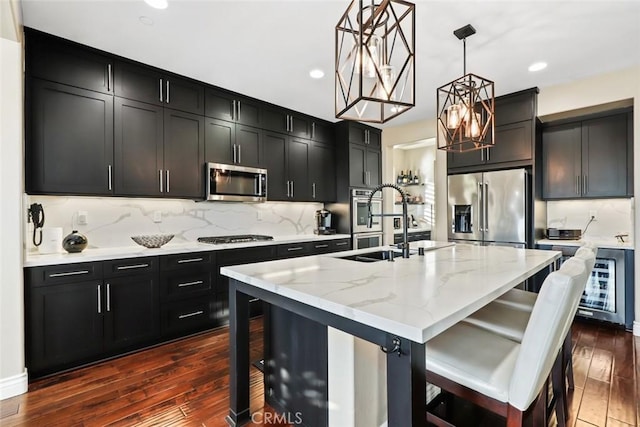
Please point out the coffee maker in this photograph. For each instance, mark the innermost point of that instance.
(323, 222)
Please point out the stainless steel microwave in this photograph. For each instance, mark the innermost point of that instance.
(235, 183)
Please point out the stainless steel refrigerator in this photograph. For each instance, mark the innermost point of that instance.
(490, 208)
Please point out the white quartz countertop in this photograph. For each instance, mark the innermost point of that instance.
(136, 251)
(608, 244)
(415, 298)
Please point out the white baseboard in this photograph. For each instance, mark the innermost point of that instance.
(636, 328)
(13, 386)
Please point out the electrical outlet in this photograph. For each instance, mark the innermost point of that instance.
(83, 217)
(157, 216)
(593, 214)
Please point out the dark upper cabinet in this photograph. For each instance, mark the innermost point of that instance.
(322, 172)
(285, 121)
(150, 85)
(358, 157)
(139, 157)
(183, 154)
(231, 143)
(159, 151)
(69, 140)
(514, 136)
(288, 167)
(322, 131)
(225, 105)
(66, 62)
(591, 158)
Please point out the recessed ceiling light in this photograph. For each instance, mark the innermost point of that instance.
(158, 4)
(316, 74)
(537, 66)
(146, 20)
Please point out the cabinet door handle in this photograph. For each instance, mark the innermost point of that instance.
(99, 299)
(321, 246)
(342, 243)
(234, 153)
(195, 313)
(108, 77)
(238, 111)
(482, 155)
(110, 178)
(183, 261)
(108, 297)
(167, 92)
(488, 154)
(578, 184)
(131, 267)
(239, 153)
(292, 189)
(584, 184)
(313, 130)
(233, 109)
(197, 282)
(295, 248)
(160, 179)
(167, 172)
(313, 190)
(69, 273)
(161, 91)
(254, 300)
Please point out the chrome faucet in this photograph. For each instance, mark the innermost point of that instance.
(405, 217)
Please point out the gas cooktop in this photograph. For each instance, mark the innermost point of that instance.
(220, 240)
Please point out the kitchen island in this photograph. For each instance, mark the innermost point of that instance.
(397, 305)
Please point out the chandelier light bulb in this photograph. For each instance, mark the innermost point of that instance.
(453, 116)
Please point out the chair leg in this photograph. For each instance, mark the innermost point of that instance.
(567, 358)
(559, 390)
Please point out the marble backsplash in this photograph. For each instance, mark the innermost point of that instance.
(613, 216)
(111, 221)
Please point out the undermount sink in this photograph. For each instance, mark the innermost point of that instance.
(372, 256)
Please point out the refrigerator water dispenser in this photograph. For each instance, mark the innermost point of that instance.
(462, 219)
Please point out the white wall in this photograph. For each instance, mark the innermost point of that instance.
(13, 377)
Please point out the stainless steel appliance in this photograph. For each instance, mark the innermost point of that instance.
(323, 222)
(240, 238)
(362, 235)
(604, 295)
(360, 212)
(489, 208)
(563, 234)
(236, 183)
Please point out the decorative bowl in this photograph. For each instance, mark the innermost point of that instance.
(152, 240)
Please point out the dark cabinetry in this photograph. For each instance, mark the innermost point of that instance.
(75, 314)
(514, 136)
(69, 136)
(146, 84)
(158, 151)
(225, 105)
(588, 158)
(284, 121)
(413, 236)
(322, 172)
(187, 293)
(358, 157)
(230, 143)
(288, 166)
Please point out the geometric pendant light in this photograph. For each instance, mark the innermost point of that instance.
(465, 108)
(374, 57)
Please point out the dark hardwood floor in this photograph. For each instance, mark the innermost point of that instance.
(185, 383)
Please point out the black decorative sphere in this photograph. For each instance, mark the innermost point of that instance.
(74, 242)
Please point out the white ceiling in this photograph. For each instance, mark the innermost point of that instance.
(266, 49)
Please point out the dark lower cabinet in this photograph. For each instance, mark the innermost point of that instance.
(64, 325)
(69, 140)
(180, 318)
(413, 236)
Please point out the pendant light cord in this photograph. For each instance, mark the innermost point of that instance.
(464, 56)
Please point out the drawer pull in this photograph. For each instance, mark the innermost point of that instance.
(342, 244)
(182, 261)
(254, 299)
(130, 267)
(195, 313)
(321, 246)
(197, 282)
(297, 248)
(70, 273)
